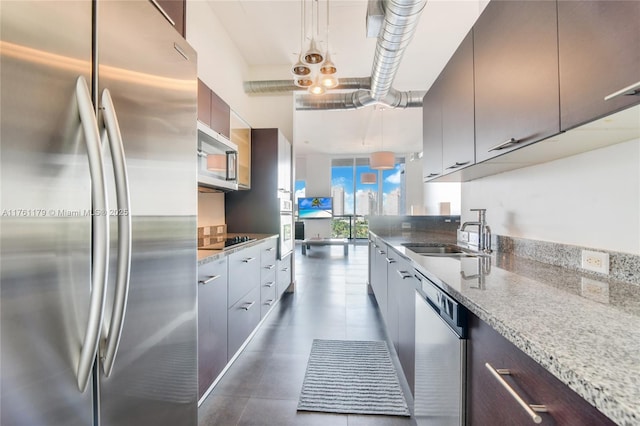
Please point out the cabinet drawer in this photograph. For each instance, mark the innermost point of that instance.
(268, 253)
(243, 317)
(283, 274)
(212, 322)
(244, 273)
(268, 297)
(490, 402)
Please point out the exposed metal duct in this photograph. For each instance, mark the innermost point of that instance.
(400, 20)
(359, 99)
(271, 87)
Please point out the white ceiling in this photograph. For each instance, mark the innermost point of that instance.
(268, 35)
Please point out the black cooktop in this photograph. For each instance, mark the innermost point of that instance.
(227, 243)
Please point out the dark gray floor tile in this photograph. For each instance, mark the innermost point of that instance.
(221, 410)
(366, 420)
(273, 412)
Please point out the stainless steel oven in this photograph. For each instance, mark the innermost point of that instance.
(217, 160)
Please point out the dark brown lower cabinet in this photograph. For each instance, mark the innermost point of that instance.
(489, 403)
(212, 322)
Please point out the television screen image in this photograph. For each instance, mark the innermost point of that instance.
(315, 208)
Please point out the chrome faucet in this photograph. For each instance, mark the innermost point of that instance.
(484, 231)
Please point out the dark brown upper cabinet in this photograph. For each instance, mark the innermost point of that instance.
(599, 47)
(516, 76)
(220, 115)
(432, 132)
(458, 128)
(213, 111)
(175, 12)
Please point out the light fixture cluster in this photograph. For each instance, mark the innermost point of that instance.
(314, 71)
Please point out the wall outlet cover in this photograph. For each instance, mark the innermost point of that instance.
(595, 261)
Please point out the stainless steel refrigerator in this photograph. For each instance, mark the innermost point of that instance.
(98, 226)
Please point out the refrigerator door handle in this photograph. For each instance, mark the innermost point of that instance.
(100, 225)
(112, 335)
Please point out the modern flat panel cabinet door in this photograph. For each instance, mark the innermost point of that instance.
(212, 322)
(204, 103)
(175, 9)
(458, 132)
(243, 318)
(220, 115)
(489, 403)
(516, 75)
(393, 288)
(432, 132)
(599, 45)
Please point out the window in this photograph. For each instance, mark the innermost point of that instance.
(357, 190)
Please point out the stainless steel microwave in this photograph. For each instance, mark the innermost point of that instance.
(217, 160)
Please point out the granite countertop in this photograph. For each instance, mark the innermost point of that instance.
(583, 329)
(206, 256)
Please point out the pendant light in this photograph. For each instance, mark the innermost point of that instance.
(316, 88)
(368, 178)
(382, 160)
(313, 55)
(301, 69)
(328, 69)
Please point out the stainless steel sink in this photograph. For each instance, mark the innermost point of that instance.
(437, 249)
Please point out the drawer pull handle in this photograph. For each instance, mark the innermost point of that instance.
(208, 280)
(285, 269)
(269, 302)
(404, 274)
(390, 260)
(382, 252)
(430, 175)
(248, 306)
(270, 284)
(531, 409)
(248, 259)
(271, 249)
(634, 89)
(269, 267)
(455, 166)
(504, 144)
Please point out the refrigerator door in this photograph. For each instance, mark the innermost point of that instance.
(45, 227)
(150, 72)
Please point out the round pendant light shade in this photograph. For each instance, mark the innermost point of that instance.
(300, 69)
(313, 55)
(382, 160)
(304, 82)
(367, 178)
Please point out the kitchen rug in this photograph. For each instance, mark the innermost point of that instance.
(352, 377)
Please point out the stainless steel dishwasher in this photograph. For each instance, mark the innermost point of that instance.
(440, 357)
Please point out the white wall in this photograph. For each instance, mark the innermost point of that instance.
(591, 199)
(413, 191)
(437, 194)
(223, 69)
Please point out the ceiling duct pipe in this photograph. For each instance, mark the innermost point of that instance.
(401, 18)
(359, 99)
(271, 87)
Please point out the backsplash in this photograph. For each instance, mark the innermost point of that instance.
(622, 266)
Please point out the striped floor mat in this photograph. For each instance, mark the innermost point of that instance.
(353, 377)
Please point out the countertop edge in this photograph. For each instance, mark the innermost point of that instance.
(213, 255)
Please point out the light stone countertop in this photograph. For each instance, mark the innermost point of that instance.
(584, 330)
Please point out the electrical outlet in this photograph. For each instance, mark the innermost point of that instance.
(595, 261)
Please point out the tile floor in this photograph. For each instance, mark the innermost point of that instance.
(330, 302)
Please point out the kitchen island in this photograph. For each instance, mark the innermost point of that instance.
(583, 329)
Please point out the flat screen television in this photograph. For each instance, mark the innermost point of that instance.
(315, 208)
